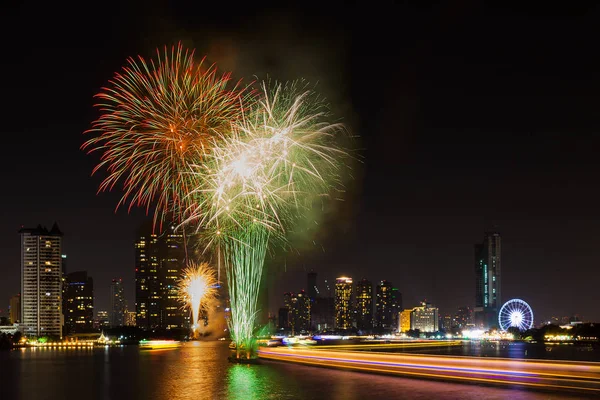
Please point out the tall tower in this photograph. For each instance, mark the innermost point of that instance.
(311, 285)
(117, 303)
(41, 280)
(159, 261)
(384, 305)
(343, 305)
(172, 260)
(78, 302)
(488, 283)
(364, 304)
(15, 309)
(396, 308)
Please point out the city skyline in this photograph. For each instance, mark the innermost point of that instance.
(448, 152)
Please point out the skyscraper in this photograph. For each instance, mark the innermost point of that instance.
(117, 303)
(41, 285)
(488, 268)
(172, 259)
(343, 303)
(396, 308)
(130, 318)
(311, 284)
(15, 309)
(464, 317)
(159, 261)
(101, 321)
(298, 306)
(78, 302)
(384, 305)
(283, 320)
(147, 286)
(364, 304)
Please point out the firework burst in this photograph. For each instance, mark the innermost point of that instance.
(156, 118)
(275, 162)
(197, 286)
(256, 181)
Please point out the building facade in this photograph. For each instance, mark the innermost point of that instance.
(117, 303)
(364, 304)
(102, 320)
(78, 292)
(488, 280)
(405, 316)
(396, 308)
(159, 263)
(425, 318)
(464, 317)
(322, 314)
(41, 281)
(15, 309)
(383, 305)
(130, 318)
(311, 285)
(298, 307)
(343, 303)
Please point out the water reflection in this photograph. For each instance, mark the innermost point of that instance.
(200, 370)
(194, 371)
(243, 382)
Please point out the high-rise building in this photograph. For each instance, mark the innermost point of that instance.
(41, 284)
(424, 318)
(63, 264)
(464, 317)
(298, 306)
(326, 291)
(343, 303)
(101, 321)
(15, 309)
(488, 268)
(130, 318)
(384, 305)
(364, 304)
(147, 285)
(405, 320)
(159, 261)
(446, 322)
(301, 312)
(117, 303)
(311, 284)
(172, 260)
(322, 314)
(78, 302)
(396, 309)
(283, 320)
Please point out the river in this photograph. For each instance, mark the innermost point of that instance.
(200, 370)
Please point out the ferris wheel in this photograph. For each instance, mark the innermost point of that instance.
(515, 313)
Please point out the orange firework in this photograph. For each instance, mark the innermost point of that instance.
(197, 286)
(156, 118)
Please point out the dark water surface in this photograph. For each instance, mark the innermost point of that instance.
(200, 370)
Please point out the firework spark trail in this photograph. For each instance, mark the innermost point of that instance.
(256, 182)
(273, 164)
(196, 288)
(156, 118)
(244, 261)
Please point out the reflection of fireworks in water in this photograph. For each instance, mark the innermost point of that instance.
(256, 181)
(157, 117)
(196, 289)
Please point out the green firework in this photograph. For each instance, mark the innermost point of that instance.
(257, 182)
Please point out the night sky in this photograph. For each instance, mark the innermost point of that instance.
(470, 118)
